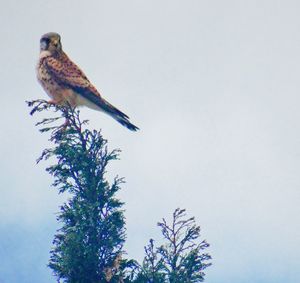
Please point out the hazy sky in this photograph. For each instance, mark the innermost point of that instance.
(214, 87)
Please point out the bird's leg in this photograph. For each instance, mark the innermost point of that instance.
(54, 102)
(66, 124)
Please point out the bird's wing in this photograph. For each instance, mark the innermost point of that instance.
(67, 73)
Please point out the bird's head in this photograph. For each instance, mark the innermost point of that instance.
(50, 42)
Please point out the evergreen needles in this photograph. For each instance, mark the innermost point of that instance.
(88, 248)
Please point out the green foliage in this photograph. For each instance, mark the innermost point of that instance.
(180, 259)
(88, 246)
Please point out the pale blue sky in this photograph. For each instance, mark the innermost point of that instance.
(214, 87)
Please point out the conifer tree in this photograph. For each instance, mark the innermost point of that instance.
(180, 259)
(88, 247)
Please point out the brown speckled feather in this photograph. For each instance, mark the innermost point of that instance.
(66, 72)
(65, 82)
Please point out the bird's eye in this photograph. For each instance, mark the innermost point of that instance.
(45, 40)
(44, 43)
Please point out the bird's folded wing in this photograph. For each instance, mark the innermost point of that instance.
(67, 73)
(101, 102)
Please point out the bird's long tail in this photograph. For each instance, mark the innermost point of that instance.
(103, 105)
(125, 122)
(118, 115)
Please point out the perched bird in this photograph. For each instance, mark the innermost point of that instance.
(65, 83)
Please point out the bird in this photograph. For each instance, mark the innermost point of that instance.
(65, 83)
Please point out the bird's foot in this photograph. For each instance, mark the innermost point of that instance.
(53, 102)
(65, 124)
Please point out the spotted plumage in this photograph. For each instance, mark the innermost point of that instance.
(65, 83)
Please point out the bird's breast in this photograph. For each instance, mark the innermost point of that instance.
(51, 87)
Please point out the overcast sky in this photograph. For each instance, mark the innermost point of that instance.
(213, 85)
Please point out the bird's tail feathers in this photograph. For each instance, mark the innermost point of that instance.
(119, 116)
(125, 122)
(103, 105)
